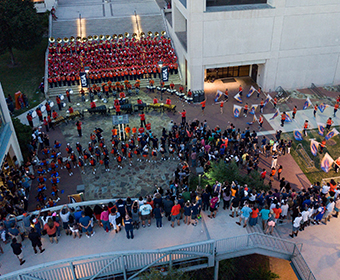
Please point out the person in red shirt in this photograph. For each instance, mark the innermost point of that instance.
(168, 101)
(184, 114)
(78, 125)
(260, 122)
(93, 104)
(141, 130)
(336, 107)
(48, 109)
(315, 110)
(54, 114)
(70, 109)
(189, 93)
(240, 90)
(58, 102)
(68, 95)
(203, 106)
(46, 124)
(139, 101)
(30, 119)
(245, 110)
(226, 94)
(294, 112)
(329, 123)
(142, 119)
(39, 113)
(175, 213)
(275, 102)
(305, 126)
(283, 118)
(148, 126)
(172, 85)
(181, 89)
(117, 107)
(155, 100)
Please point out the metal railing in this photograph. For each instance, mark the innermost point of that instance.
(192, 256)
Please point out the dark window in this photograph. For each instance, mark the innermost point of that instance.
(211, 3)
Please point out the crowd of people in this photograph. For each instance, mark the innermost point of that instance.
(109, 59)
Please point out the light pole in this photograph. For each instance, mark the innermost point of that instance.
(160, 64)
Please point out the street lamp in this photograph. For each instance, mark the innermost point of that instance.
(160, 64)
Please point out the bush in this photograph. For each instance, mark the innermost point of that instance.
(261, 273)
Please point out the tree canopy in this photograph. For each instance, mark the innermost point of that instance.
(20, 25)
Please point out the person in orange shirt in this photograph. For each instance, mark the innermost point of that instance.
(240, 90)
(127, 131)
(203, 106)
(155, 100)
(70, 109)
(260, 122)
(275, 102)
(226, 94)
(294, 112)
(322, 145)
(272, 174)
(261, 106)
(245, 110)
(315, 110)
(134, 132)
(305, 126)
(329, 123)
(283, 118)
(336, 107)
(114, 132)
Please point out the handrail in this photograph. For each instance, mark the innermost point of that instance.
(139, 260)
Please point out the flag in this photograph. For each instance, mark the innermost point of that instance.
(254, 120)
(253, 109)
(314, 145)
(237, 111)
(266, 101)
(275, 115)
(288, 118)
(238, 97)
(251, 91)
(332, 133)
(218, 95)
(321, 128)
(326, 162)
(297, 135)
(307, 103)
(322, 107)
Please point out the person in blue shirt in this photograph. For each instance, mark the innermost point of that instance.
(85, 223)
(245, 214)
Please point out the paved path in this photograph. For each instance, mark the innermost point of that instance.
(320, 243)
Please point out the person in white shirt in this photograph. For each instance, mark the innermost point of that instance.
(305, 217)
(329, 210)
(284, 208)
(296, 225)
(325, 189)
(114, 215)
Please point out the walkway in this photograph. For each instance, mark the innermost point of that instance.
(320, 244)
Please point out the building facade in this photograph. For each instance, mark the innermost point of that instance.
(288, 43)
(9, 146)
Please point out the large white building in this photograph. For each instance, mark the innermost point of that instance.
(9, 146)
(288, 43)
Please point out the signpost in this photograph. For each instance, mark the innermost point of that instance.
(121, 121)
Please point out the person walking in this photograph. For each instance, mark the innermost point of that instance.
(128, 227)
(283, 118)
(305, 126)
(328, 124)
(245, 214)
(203, 106)
(294, 112)
(35, 240)
(336, 107)
(315, 110)
(17, 250)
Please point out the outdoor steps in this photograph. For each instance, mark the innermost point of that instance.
(268, 242)
(52, 92)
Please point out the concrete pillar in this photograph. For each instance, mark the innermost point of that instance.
(216, 267)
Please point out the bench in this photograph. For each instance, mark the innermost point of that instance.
(100, 109)
(171, 108)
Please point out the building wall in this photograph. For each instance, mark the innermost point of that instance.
(295, 42)
(9, 142)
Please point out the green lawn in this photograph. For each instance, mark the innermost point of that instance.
(315, 174)
(25, 77)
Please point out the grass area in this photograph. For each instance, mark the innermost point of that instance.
(25, 77)
(315, 174)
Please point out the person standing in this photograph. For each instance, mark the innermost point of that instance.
(245, 110)
(226, 95)
(142, 119)
(328, 124)
(158, 214)
(51, 229)
(296, 225)
(261, 106)
(336, 107)
(78, 125)
(245, 214)
(128, 227)
(145, 211)
(68, 96)
(203, 106)
(213, 205)
(58, 102)
(35, 240)
(315, 110)
(294, 112)
(283, 118)
(260, 122)
(264, 216)
(279, 171)
(184, 114)
(17, 250)
(305, 126)
(86, 224)
(30, 119)
(175, 214)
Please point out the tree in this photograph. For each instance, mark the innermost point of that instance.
(20, 25)
(155, 274)
(261, 273)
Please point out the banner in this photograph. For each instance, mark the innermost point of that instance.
(266, 101)
(253, 109)
(326, 162)
(254, 120)
(307, 103)
(238, 97)
(321, 128)
(237, 111)
(314, 145)
(288, 118)
(297, 135)
(83, 79)
(332, 133)
(218, 95)
(322, 107)
(251, 91)
(165, 74)
(275, 114)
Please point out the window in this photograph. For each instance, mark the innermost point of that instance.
(211, 3)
